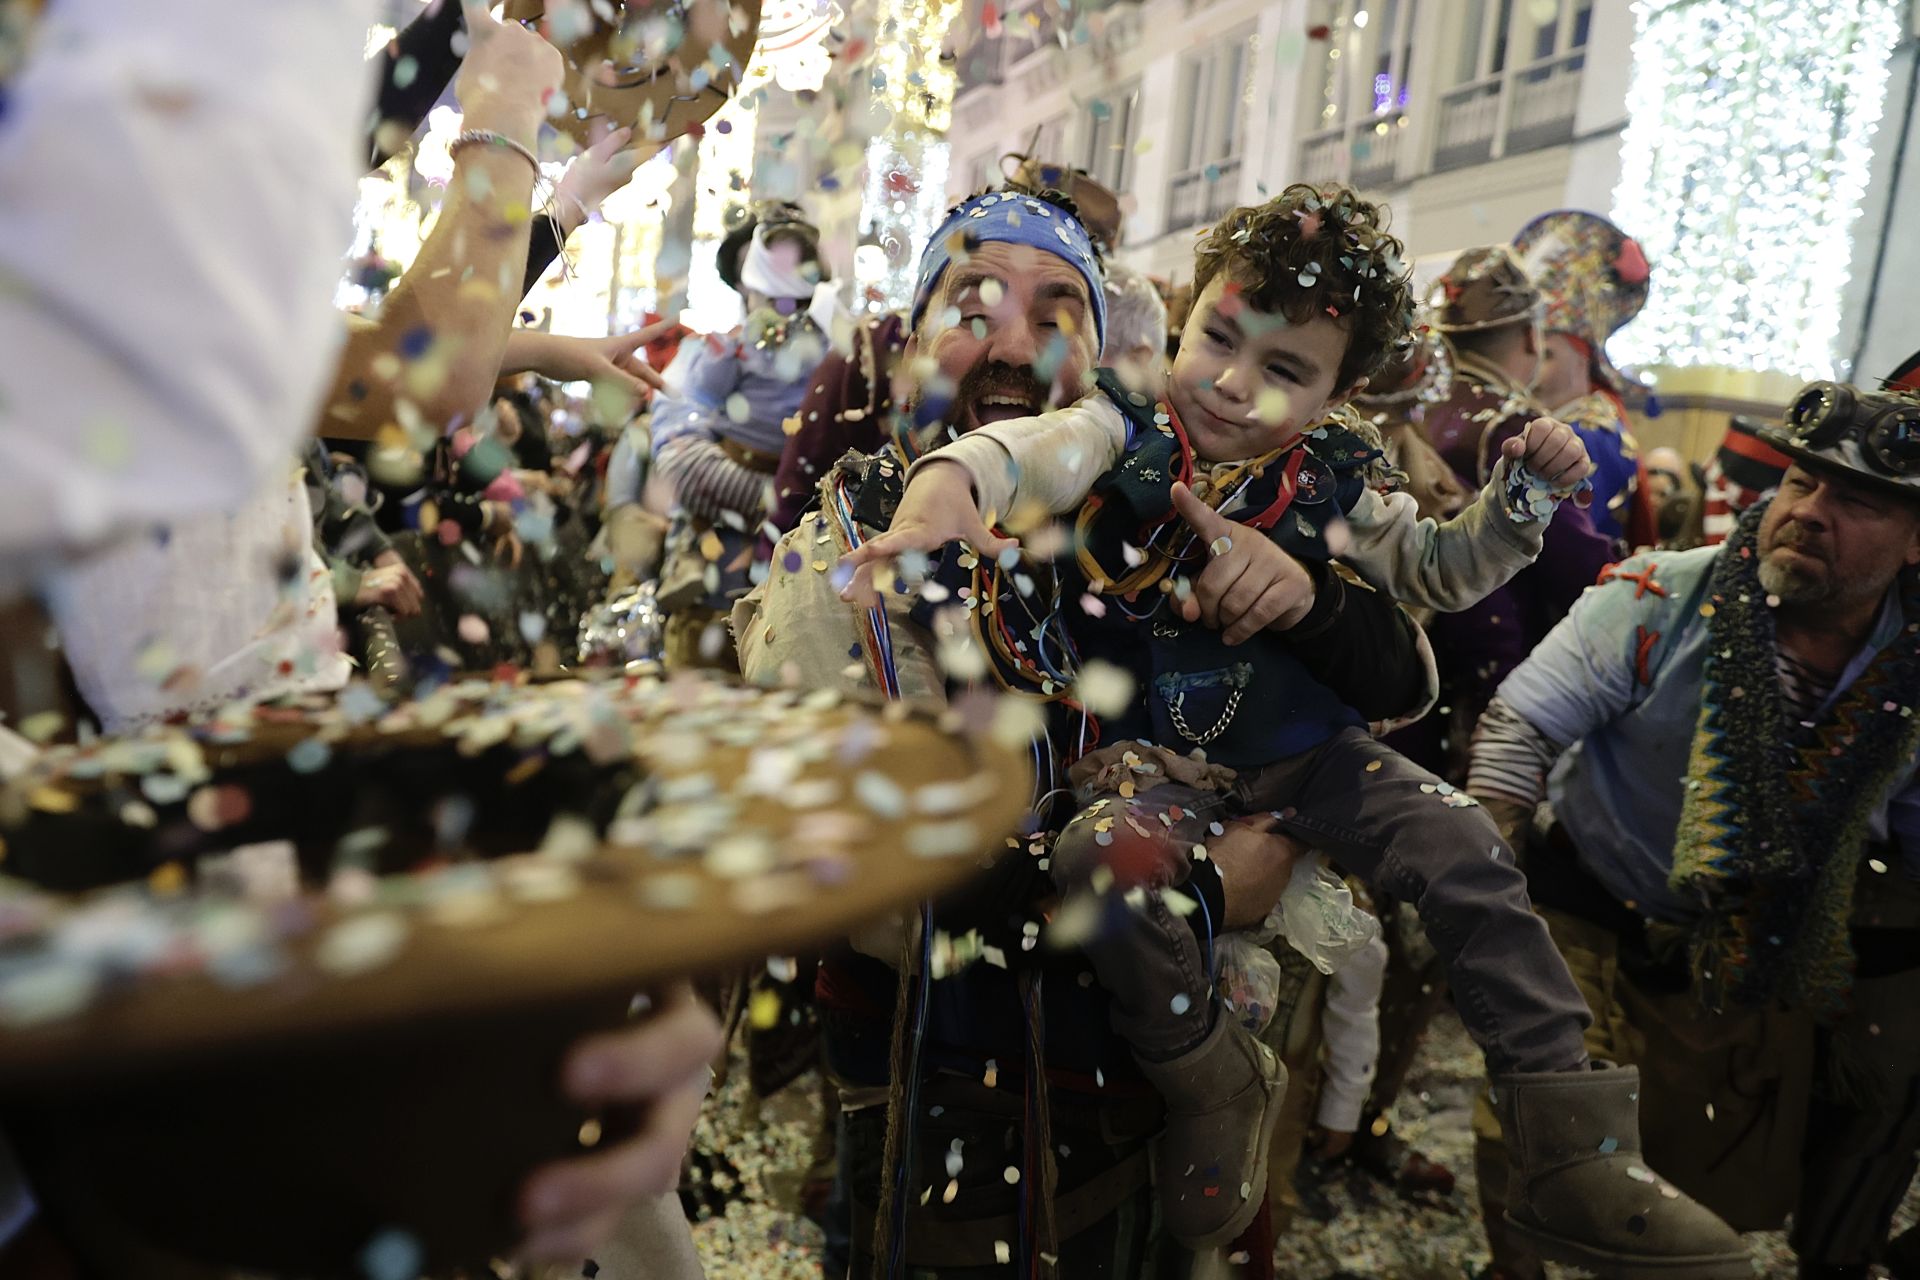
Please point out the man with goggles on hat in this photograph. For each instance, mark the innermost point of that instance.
(1732, 863)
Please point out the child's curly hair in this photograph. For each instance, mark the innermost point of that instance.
(1313, 250)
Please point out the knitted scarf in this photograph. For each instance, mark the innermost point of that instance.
(1774, 822)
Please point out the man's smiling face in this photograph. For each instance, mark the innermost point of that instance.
(1008, 334)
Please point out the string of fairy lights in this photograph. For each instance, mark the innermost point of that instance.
(1743, 171)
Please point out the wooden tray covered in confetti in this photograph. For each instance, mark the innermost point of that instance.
(370, 934)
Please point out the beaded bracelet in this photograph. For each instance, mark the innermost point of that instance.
(476, 137)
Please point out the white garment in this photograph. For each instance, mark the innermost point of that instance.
(774, 277)
(176, 189)
(1351, 1027)
(212, 608)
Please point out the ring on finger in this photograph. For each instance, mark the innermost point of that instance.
(1220, 545)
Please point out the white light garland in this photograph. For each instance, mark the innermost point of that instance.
(721, 181)
(905, 196)
(906, 163)
(1743, 168)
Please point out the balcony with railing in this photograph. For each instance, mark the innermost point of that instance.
(1365, 153)
(1375, 151)
(1545, 97)
(1512, 111)
(1323, 156)
(1202, 195)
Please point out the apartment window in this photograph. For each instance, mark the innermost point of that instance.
(1028, 26)
(1538, 31)
(1363, 91)
(1518, 79)
(1392, 55)
(1213, 84)
(985, 170)
(1045, 142)
(1111, 127)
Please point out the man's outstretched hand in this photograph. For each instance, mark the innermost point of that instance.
(937, 508)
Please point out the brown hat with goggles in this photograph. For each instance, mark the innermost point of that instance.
(1872, 437)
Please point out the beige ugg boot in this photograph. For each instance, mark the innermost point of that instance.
(1223, 1098)
(1579, 1192)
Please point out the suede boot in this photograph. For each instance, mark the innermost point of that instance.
(1223, 1098)
(1579, 1192)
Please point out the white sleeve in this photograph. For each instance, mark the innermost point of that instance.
(1446, 566)
(176, 192)
(1050, 461)
(1352, 1032)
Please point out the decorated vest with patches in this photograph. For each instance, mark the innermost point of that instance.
(1245, 705)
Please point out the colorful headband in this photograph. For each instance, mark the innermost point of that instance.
(1009, 217)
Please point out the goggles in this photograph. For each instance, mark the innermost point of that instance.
(1886, 426)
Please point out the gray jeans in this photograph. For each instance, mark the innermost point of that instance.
(1381, 818)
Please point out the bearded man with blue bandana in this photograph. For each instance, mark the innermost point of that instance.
(1008, 315)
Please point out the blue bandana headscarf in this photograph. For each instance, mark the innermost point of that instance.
(1010, 217)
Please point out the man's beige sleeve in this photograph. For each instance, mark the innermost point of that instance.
(1047, 464)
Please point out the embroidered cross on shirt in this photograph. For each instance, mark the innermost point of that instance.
(1643, 580)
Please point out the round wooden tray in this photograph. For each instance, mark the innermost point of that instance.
(288, 1123)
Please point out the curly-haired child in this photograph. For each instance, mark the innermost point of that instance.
(1204, 527)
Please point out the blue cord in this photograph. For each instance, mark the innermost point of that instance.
(1207, 915)
(923, 991)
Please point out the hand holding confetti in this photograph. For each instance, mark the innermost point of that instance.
(1554, 454)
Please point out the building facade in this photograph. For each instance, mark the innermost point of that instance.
(1468, 117)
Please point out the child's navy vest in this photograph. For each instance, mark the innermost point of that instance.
(1246, 705)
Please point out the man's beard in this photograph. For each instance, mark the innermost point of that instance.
(1792, 586)
(989, 378)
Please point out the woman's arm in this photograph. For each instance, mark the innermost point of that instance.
(440, 338)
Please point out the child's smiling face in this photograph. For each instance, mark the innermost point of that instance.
(1246, 382)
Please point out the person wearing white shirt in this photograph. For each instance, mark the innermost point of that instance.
(1350, 1025)
(176, 183)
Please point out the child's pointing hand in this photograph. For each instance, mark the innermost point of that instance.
(1249, 584)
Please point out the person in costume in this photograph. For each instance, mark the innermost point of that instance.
(220, 402)
(1026, 272)
(1743, 470)
(1594, 279)
(1731, 868)
(1487, 313)
(1246, 471)
(718, 435)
